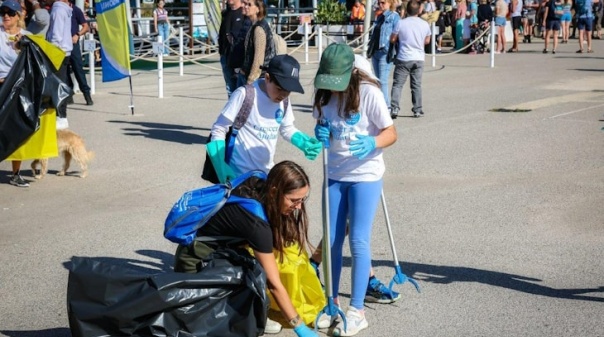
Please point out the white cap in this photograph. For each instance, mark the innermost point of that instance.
(362, 63)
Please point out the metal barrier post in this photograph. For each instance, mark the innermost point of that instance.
(91, 62)
(160, 66)
(306, 42)
(320, 43)
(180, 50)
(433, 44)
(492, 43)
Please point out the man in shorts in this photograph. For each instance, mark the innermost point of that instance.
(585, 20)
(528, 19)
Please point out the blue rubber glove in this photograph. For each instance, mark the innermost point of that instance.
(362, 146)
(216, 150)
(304, 331)
(322, 132)
(310, 146)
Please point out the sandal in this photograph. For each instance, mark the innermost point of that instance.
(590, 51)
(580, 51)
(544, 51)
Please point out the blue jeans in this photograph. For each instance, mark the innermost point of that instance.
(358, 202)
(241, 80)
(402, 69)
(230, 78)
(382, 70)
(164, 32)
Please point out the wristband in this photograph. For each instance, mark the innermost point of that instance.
(294, 321)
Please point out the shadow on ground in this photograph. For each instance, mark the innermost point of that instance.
(450, 274)
(166, 132)
(56, 332)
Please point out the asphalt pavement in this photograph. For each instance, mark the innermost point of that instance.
(495, 197)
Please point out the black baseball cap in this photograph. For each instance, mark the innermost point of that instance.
(286, 71)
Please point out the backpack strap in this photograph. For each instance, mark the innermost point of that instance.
(242, 115)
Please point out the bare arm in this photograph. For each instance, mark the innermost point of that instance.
(276, 288)
(386, 137)
(155, 20)
(393, 38)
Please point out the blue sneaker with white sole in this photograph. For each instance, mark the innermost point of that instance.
(377, 292)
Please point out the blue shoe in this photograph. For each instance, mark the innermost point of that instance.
(377, 292)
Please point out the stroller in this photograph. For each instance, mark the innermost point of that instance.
(482, 44)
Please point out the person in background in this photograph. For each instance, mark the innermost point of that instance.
(161, 23)
(565, 20)
(10, 34)
(501, 12)
(75, 59)
(382, 29)
(353, 117)
(460, 15)
(440, 23)
(357, 16)
(231, 24)
(59, 34)
(283, 196)
(516, 8)
(38, 18)
(412, 34)
(585, 23)
(551, 22)
(530, 6)
(259, 44)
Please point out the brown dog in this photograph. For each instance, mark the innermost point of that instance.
(70, 146)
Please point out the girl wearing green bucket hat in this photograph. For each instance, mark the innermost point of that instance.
(354, 124)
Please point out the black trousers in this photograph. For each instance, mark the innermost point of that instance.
(76, 66)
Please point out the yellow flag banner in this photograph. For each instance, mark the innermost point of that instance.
(115, 39)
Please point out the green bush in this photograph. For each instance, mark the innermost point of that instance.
(331, 12)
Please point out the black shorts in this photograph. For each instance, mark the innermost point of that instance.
(516, 22)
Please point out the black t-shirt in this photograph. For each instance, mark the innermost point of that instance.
(234, 220)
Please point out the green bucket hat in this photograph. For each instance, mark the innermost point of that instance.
(335, 68)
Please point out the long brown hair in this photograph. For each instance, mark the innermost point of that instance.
(288, 229)
(349, 100)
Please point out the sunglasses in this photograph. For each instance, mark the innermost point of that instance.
(10, 12)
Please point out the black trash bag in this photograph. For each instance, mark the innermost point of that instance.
(226, 298)
(30, 88)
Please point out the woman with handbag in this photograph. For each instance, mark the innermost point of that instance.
(380, 44)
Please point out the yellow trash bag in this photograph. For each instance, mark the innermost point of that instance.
(301, 282)
(43, 143)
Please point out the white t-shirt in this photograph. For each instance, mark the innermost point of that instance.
(256, 141)
(8, 54)
(372, 118)
(412, 32)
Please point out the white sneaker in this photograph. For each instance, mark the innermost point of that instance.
(324, 321)
(355, 322)
(62, 123)
(272, 327)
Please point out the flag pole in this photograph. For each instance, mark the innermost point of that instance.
(131, 106)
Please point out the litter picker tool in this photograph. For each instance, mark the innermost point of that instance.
(331, 308)
(399, 277)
